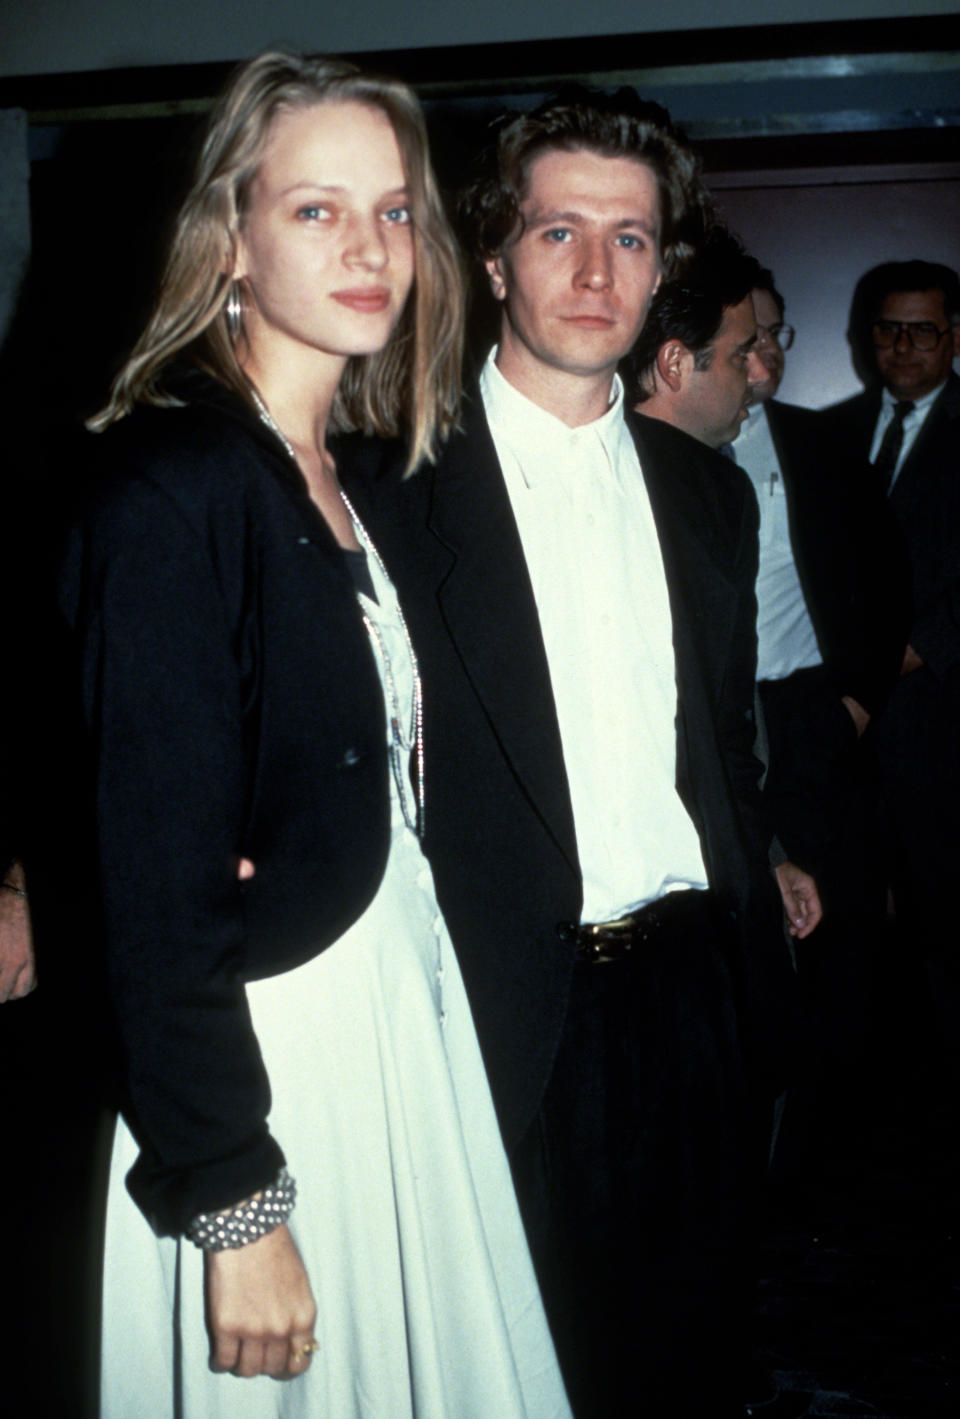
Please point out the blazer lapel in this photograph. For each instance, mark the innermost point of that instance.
(487, 602)
(945, 410)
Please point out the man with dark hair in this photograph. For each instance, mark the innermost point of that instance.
(695, 360)
(578, 584)
(906, 325)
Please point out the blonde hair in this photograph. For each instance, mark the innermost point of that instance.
(409, 387)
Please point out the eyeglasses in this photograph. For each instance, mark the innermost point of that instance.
(781, 335)
(922, 334)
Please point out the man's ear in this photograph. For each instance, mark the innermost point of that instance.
(672, 360)
(498, 285)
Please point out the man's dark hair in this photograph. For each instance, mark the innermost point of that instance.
(894, 276)
(765, 282)
(690, 308)
(620, 125)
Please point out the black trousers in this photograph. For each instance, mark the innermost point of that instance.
(917, 742)
(638, 1183)
(824, 803)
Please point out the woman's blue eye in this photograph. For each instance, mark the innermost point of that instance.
(402, 216)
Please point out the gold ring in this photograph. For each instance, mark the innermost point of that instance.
(311, 1347)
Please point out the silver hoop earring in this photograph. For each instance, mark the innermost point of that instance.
(234, 312)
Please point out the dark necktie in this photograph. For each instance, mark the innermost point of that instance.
(885, 463)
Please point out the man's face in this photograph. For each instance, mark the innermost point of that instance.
(909, 373)
(713, 401)
(576, 283)
(768, 352)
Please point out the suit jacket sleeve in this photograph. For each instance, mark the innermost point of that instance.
(162, 707)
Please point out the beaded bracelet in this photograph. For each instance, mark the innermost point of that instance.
(237, 1226)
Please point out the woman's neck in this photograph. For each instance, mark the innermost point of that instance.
(299, 409)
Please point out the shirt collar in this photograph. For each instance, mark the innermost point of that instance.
(536, 436)
(920, 406)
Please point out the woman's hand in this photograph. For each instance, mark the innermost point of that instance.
(260, 1308)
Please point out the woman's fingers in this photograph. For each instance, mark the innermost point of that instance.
(248, 1356)
(225, 1352)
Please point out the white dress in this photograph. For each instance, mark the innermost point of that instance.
(406, 1219)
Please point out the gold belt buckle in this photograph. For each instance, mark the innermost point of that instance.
(608, 940)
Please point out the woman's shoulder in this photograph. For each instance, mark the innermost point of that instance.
(198, 460)
(185, 447)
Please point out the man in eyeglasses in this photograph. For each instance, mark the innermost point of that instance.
(906, 316)
(833, 608)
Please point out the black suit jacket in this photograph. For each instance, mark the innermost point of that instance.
(926, 500)
(849, 553)
(500, 829)
(232, 707)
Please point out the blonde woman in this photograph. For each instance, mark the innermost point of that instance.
(321, 1193)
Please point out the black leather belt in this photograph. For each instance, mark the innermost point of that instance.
(604, 941)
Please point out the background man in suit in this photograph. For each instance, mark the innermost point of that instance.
(578, 583)
(695, 366)
(833, 595)
(832, 607)
(906, 326)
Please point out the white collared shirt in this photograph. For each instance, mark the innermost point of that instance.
(592, 551)
(786, 640)
(912, 424)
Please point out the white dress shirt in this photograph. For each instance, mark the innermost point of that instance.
(786, 640)
(912, 424)
(593, 554)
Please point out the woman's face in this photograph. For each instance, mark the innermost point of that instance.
(326, 242)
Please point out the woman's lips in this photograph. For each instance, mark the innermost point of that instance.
(366, 299)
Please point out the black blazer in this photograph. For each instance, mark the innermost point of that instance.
(499, 824)
(232, 708)
(849, 553)
(926, 500)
